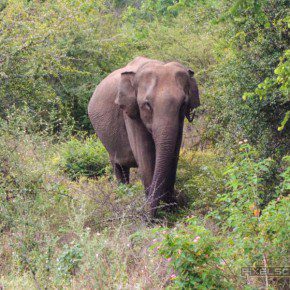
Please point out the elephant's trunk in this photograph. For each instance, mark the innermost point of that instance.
(167, 139)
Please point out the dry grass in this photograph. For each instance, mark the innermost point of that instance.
(108, 222)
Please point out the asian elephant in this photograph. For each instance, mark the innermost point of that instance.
(138, 113)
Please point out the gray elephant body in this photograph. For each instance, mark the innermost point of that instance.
(138, 113)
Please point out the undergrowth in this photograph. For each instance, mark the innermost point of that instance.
(59, 231)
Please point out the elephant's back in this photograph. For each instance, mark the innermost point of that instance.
(102, 109)
(108, 121)
(107, 118)
(101, 105)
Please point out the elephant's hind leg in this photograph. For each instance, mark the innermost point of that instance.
(122, 173)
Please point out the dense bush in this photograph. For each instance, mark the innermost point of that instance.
(252, 45)
(255, 215)
(200, 177)
(86, 157)
(192, 253)
(244, 230)
(54, 231)
(53, 54)
(69, 260)
(81, 231)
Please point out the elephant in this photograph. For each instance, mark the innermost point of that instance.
(138, 114)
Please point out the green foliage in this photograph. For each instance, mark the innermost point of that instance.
(200, 177)
(251, 214)
(86, 157)
(16, 182)
(191, 250)
(249, 226)
(284, 186)
(285, 120)
(56, 232)
(249, 186)
(250, 176)
(280, 84)
(53, 54)
(69, 260)
(253, 39)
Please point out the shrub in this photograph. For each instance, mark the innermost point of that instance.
(249, 183)
(258, 239)
(252, 229)
(253, 213)
(56, 62)
(86, 157)
(58, 233)
(200, 176)
(253, 42)
(192, 252)
(69, 260)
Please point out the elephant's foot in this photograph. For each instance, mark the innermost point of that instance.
(170, 197)
(170, 202)
(151, 206)
(122, 173)
(182, 199)
(174, 200)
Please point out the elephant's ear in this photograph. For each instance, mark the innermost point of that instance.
(193, 97)
(127, 97)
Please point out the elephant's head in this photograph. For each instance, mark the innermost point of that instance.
(160, 96)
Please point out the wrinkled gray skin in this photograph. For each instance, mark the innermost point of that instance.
(138, 113)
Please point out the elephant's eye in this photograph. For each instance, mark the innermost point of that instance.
(147, 106)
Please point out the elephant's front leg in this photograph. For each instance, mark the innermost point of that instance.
(146, 168)
(143, 149)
